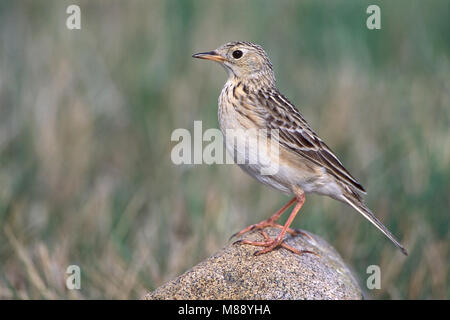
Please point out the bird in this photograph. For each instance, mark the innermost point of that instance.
(305, 164)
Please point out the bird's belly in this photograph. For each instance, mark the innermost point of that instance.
(269, 180)
(300, 172)
(243, 145)
(286, 177)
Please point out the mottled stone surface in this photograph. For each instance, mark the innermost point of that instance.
(235, 273)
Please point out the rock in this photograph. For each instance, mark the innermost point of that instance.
(235, 272)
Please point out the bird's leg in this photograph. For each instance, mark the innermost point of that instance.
(271, 222)
(271, 244)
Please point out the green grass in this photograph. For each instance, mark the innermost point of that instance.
(86, 118)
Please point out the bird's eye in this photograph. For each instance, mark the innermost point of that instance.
(237, 54)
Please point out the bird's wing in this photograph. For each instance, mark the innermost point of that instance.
(296, 135)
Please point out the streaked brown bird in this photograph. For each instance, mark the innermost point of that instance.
(305, 164)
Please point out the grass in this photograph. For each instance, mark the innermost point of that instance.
(86, 118)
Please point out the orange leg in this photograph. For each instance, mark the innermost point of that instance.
(268, 239)
(271, 244)
(271, 223)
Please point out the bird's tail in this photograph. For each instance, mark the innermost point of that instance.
(356, 202)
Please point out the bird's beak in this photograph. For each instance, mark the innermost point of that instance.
(211, 55)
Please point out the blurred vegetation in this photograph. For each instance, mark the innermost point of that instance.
(86, 118)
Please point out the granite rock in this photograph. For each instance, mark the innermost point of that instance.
(234, 272)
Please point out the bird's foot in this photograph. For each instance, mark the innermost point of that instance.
(271, 244)
(270, 223)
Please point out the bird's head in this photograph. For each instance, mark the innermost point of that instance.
(242, 60)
